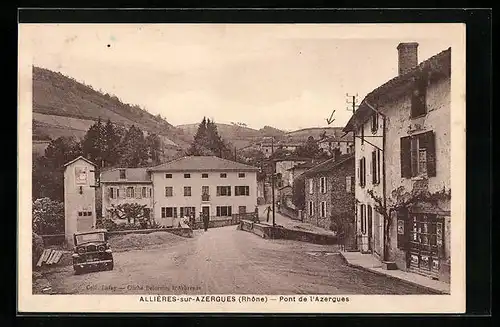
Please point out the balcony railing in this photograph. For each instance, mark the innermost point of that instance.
(205, 197)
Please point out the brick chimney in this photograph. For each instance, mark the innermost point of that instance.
(407, 57)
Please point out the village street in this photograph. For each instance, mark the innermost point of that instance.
(228, 261)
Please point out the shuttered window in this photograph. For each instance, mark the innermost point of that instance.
(418, 155)
(375, 166)
(311, 186)
(322, 183)
(362, 212)
(362, 172)
(111, 193)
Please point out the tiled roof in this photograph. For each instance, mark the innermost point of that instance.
(305, 165)
(202, 163)
(438, 65)
(78, 158)
(133, 175)
(329, 164)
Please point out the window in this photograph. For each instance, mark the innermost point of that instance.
(362, 212)
(187, 190)
(223, 190)
(311, 208)
(311, 186)
(370, 217)
(418, 98)
(348, 184)
(375, 166)
(169, 191)
(169, 212)
(186, 211)
(117, 193)
(241, 175)
(150, 192)
(111, 193)
(223, 211)
(374, 121)
(204, 175)
(187, 175)
(205, 190)
(418, 155)
(130, 192)
(363, 134)
(144, 192)
(223, 175)
(122, 174)
(168, 175)
(362, 172)
(241, 190)
(242, 209)
(322, 184)
(323, 209)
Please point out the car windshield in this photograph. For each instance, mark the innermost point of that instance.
(94, 237)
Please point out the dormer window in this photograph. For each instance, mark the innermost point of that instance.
(122, 174)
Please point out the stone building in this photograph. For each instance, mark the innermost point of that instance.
(402, 149)
(329, 191)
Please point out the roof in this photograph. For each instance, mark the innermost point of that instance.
(133, 175)
(290, 158)
(100, 230)
(437, 66)
(78, 158)
(305, 165)
(339, 138)
(329, 165)
(203, 163)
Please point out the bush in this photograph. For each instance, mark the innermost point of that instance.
(37, 247)
(48, 216)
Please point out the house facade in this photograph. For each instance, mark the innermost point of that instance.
(329, 191)
(202, 184)
(126, 185)
(414, 108)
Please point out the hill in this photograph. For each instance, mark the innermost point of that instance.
(301, 135)
(63, 106)
(238, 135)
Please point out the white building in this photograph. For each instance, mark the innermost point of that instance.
(203, 184)
(414, 108)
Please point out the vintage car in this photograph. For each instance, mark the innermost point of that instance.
(92, 251)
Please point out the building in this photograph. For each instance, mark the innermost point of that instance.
(329, 191)
(79, 197)
(126, 185)
(402, 129)
(344, 145)
(283, 166)
(298, 170)
(202, 184)
(268, 147)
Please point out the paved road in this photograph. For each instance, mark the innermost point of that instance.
(224, 261)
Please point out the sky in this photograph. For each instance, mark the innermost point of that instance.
(288, 76)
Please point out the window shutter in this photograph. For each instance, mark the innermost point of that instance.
(431, 153)
(374, 167)
(405, 157)
(123, 192)
(378, 166)
(138, 192)
(364, 171)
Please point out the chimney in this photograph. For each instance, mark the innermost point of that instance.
(407, 57)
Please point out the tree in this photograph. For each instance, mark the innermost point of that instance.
(47, 170)
(155, 151)
(132, 212)
(93, 144)
(48, 216)
(310, 149)
(401, 201)
(298, 192)
(112, 137)
(133, 148)
(207, 141)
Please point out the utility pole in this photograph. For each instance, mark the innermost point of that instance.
(352, 100)
(273, 177)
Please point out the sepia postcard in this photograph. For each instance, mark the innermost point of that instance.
(261, 168)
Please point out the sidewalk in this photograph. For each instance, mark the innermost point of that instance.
(290, 223)
(370, 263)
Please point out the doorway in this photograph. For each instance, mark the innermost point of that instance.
(370, 229)
(205, 210)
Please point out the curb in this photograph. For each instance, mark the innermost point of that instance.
(433, 290)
